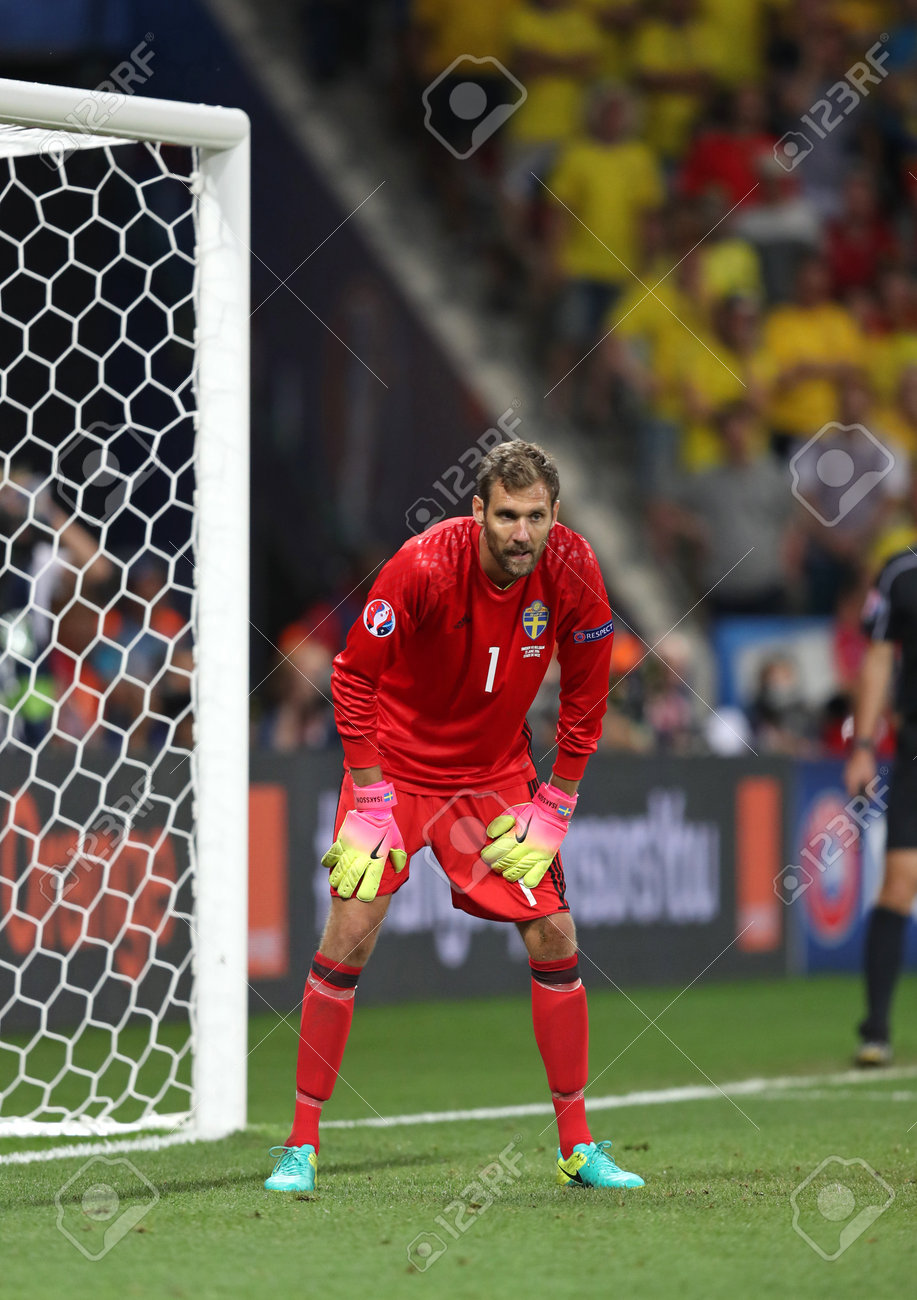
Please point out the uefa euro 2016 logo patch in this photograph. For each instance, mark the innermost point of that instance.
(535, 619)
(379, 618)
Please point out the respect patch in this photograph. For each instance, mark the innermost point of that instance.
(594, 633)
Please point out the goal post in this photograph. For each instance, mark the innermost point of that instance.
(193, 290)
(222, 703)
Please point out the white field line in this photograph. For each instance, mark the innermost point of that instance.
(789, 1087)
(79, 1151)
(839, 1094)
(657, 1097)
(15, 1127)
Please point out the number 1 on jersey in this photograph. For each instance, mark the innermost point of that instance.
(494, 652)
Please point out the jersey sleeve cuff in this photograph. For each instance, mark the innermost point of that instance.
(361, 754)
(570, 767)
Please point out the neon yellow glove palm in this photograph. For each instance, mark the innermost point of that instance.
(528, 836)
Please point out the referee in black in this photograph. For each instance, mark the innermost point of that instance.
(890, 620)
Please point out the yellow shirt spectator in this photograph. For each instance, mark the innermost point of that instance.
(553, 108)
(608, 187)
(693, 49)
(730, 266)
(888, 356)
(709, 374)
(825, 334)
(896, 427)
(450, 28)
(656, 326)
(892, 423)
(739, 45)
(615, 20)
(899, 535)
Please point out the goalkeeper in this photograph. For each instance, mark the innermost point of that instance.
(431, 695)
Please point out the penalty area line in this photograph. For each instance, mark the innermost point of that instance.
(794, 1086)
(656, 1097)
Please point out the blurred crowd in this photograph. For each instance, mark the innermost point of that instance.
(653, 708)
(653, 705)
(92, 649)
(705, 211)
(704, 215)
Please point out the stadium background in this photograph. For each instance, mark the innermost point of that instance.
(720, 763)
(367, 412)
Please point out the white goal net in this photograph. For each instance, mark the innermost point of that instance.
(123, 619)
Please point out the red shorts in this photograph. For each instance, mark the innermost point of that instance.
(455, 829)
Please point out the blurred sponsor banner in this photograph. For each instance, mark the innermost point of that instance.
(670, 867)
(268, 886)
(836, 852)
(96, 891)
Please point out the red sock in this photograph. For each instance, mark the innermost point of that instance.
(561, 1020)
(327, 1010)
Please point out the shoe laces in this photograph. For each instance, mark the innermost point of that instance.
(602, 1154)
(289, 1159)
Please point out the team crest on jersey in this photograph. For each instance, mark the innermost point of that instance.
(535, 619)
(379, 618)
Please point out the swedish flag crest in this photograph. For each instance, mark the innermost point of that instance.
(535, 619)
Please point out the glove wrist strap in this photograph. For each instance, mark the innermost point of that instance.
(555, 801)
(378, 798)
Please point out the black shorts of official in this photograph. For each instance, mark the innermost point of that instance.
(902, 795)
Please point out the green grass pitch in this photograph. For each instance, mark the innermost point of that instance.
(715, 1218)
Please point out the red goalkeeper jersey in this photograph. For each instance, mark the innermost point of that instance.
(439, 673)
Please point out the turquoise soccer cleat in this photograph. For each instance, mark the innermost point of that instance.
(294, 1171)
(590, 1165)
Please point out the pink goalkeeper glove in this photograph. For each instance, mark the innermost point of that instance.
(529, 835)
(367, 838)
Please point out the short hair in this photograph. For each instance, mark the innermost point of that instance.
(516, 465)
